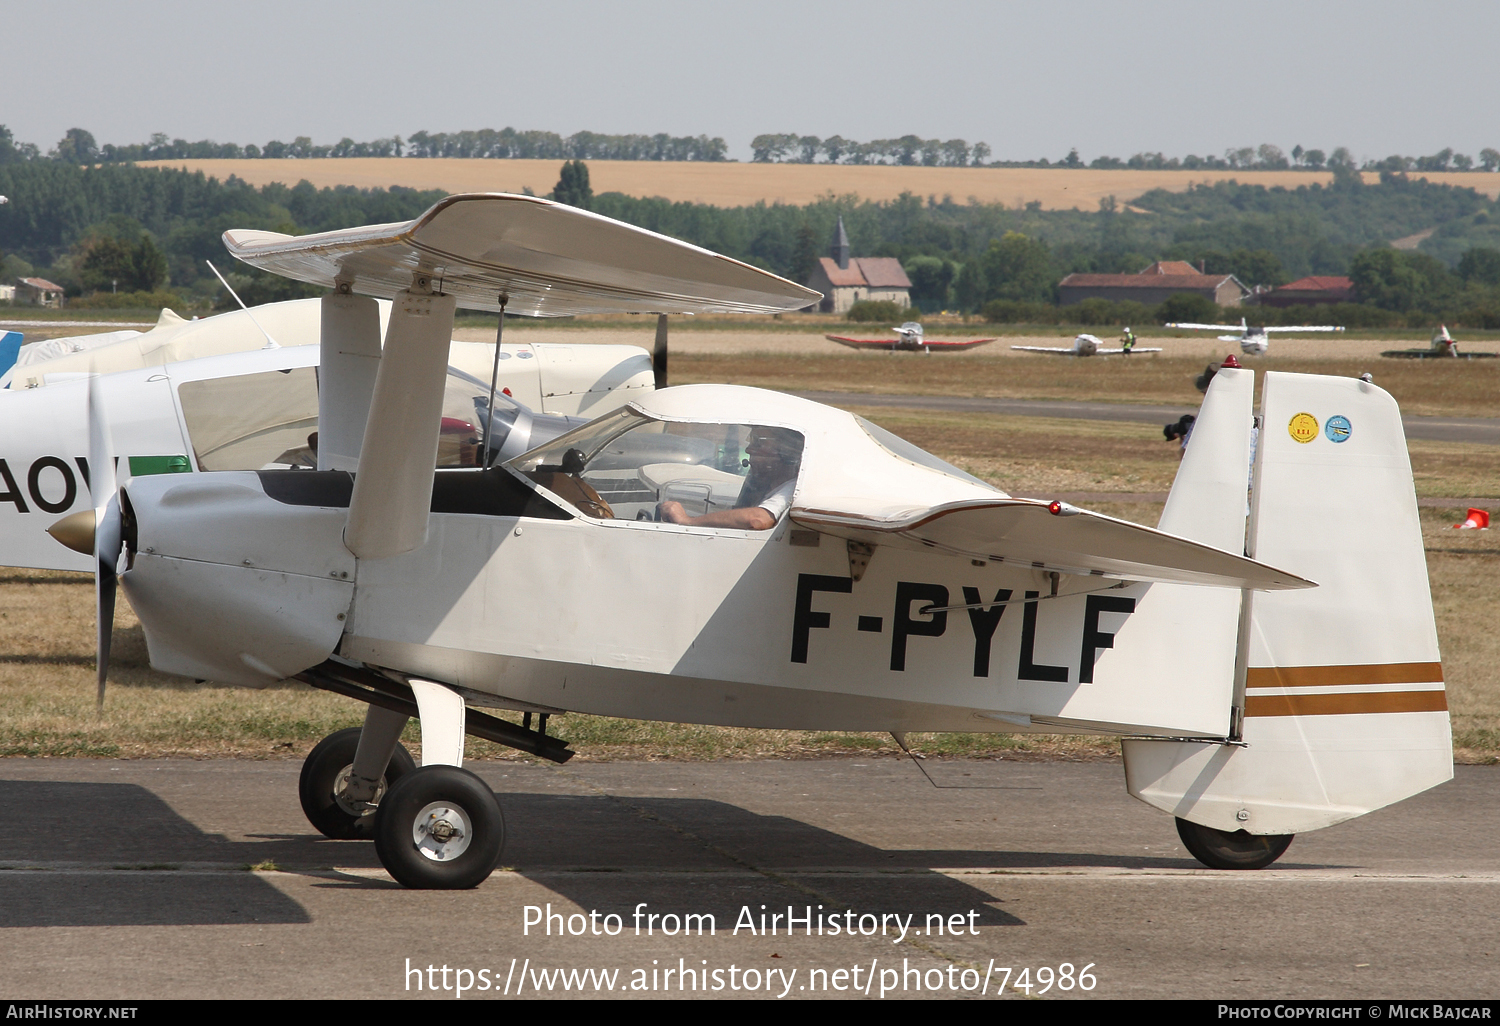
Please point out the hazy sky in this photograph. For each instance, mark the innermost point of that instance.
(1030, 78)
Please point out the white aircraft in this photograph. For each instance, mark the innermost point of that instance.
(1086, 345)
(1254, 339)
(214, 395)
(726, 555)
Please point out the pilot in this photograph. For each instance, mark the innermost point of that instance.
(1128, 340)
(774, 456)
(302, 457)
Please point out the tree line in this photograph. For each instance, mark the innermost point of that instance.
(1267, 157)
(909, 150)
(78, 146)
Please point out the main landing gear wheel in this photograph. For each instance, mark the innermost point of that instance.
(324, 772)
(439, 827)
(1239, 850)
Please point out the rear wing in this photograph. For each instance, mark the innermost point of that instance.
(1055, 537)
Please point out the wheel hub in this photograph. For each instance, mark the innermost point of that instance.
(441, 831)
(354, 806)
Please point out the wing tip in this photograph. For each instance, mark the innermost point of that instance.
(245, 240)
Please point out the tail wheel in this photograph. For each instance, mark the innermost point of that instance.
(1239, 850)
(439, 827)
(324, 773)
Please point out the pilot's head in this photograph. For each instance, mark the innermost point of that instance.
(774, 451)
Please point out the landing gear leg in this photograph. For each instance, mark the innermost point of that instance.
(1239, 850)
(347, 774)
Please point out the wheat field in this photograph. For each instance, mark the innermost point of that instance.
(732, 184)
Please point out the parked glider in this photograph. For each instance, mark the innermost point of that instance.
(909, 338)
(548, 377)
(1254, 339)
(211, 395)
(603, 572)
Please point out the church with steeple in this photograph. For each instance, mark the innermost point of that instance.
(846, 280)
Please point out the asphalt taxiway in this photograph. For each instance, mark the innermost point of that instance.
(176, 878)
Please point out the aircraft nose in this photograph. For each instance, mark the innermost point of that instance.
(233, 584)
(76, 531)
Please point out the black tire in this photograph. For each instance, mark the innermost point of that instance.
(1239, 850)
(321, 770)
(431, 797)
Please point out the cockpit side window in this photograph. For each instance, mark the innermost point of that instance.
(251, 420)
(269, 421)
(632, 467)
(902, 449)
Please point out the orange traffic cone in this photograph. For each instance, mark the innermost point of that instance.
(1479, 520)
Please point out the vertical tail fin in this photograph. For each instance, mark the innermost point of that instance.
(1344, 707)
(1207, 501)
(10, 349)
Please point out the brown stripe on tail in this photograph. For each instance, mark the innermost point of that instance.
(1342, 676)
(1345, 703)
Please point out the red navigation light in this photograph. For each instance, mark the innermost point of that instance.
(1231, 361)
(1054, 507)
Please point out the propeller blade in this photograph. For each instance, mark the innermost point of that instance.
(107, 531)
(659, 353)
(105, 581)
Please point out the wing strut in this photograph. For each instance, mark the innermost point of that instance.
(393, 491)
(489, 416)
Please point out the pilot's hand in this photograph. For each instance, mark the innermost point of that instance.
(671, 512)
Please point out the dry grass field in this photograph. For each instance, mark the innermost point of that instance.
(736, 184)
(804, 360)
(1451, 388)
(46, 626)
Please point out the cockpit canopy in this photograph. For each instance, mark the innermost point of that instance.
(695, 444)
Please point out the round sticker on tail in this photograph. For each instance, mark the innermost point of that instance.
(1303, 428)
(1337, 429)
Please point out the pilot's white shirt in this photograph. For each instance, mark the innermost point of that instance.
(779, 501)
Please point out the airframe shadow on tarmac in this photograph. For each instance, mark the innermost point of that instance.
(130, 835)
